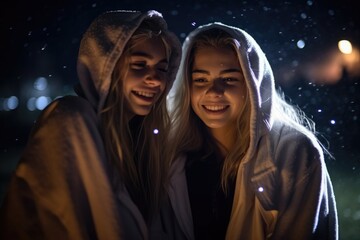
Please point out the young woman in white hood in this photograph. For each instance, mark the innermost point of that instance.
(247, 165)
(94, 166)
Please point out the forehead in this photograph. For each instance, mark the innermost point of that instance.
(215, 57)
(153, 47)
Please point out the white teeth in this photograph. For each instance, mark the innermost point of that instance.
(145, 94)
(215, 108)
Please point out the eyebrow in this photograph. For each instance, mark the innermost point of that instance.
(230, 70)
(146, 55)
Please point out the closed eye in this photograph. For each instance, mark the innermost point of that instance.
(164, 70)
(163, 67)
(137, 65)
(199, 80)
(229, 79)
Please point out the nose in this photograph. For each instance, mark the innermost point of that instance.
(153, 78)
(216, 89)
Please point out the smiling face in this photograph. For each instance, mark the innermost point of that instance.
(218, 87)
(146, 77)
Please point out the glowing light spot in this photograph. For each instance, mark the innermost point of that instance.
(319, 110)
(345, 46)
(193, 23)
(31, 104)
(332, 122)
(42, 102)
(40, 83)
(300, 44)
(295, 63)
(260, 189)
(156, 131)
(12, 102)
(303, 16)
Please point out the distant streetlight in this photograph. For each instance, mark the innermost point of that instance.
(345, 46)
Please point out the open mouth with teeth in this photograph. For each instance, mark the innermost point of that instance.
(147, 96)
(215, 108)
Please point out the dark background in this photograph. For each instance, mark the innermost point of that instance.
(40, 39)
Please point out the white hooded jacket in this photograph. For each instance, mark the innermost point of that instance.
(283, 190)
(62, 187)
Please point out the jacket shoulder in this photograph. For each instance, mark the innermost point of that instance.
(67, 107)
(288, 139)
(67, 110)
(296, 153)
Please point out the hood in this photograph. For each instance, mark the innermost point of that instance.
(104, 42)
(257, 72)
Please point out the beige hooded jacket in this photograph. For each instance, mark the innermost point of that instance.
(62, 187)
(283, 190)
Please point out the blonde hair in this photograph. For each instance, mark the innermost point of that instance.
(189, 133)
(131, 145)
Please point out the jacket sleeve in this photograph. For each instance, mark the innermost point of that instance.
(60, 188)
(306, 201)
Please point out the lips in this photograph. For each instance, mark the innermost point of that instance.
(146, 96)
(215, 108)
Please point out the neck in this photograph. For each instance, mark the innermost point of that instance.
(128, 115)
(225, 138)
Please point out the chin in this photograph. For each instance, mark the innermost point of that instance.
(214, 125)
(142, 111)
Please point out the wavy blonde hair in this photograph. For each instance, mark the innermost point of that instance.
(131, 145)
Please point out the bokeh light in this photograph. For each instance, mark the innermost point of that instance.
(42, 102)
(40, 83)
(345, 46)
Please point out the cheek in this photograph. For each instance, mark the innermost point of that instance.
(241, 101)
(192, 95)
(163, 85)
(194, 98)
(133, 74)
(126, 85)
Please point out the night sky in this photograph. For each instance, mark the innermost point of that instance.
(40, 39)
